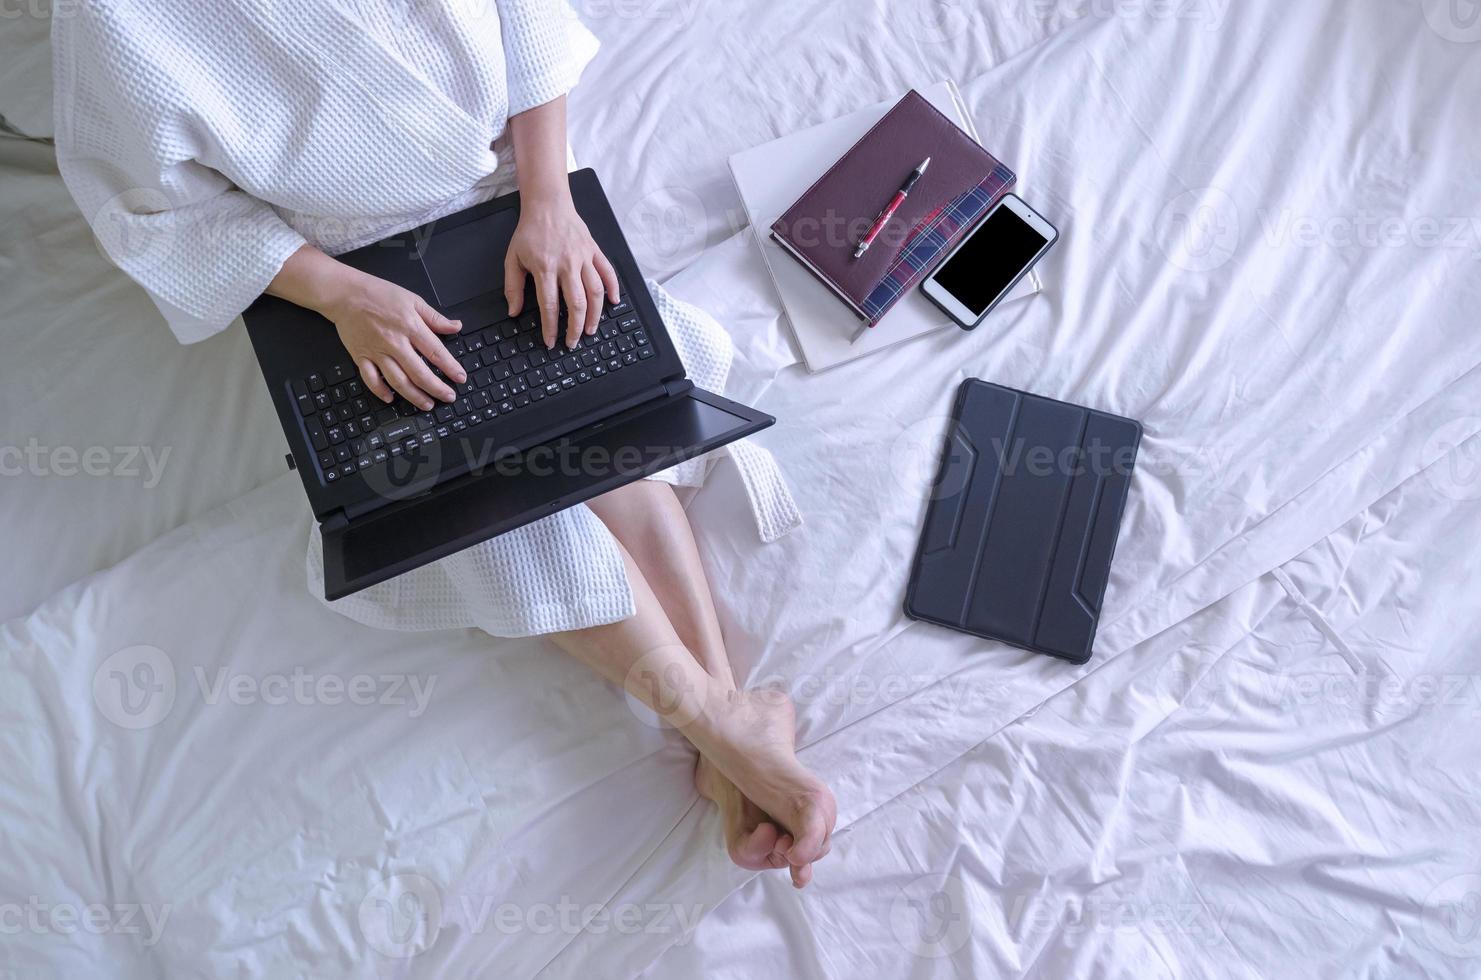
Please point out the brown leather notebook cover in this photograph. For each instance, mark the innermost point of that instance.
(825, 224)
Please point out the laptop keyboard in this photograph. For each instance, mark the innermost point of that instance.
(509, 371)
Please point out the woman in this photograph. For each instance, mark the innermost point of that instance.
(224, 150)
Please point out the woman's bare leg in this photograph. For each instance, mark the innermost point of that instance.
(650, 523)
(748, 737)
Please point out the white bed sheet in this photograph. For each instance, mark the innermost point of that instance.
(1227, 799)
(1286, 387)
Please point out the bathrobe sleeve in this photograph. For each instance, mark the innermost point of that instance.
(130, 152)
(545, 49)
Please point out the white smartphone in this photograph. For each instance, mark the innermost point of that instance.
(985, 265)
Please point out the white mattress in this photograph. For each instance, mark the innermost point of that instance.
(1184, 805)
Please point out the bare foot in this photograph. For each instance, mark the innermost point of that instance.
(751, 837)
(750, 737)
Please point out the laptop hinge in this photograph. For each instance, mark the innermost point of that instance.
(677, 386)
(334, 520)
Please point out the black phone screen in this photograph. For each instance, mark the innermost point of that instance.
(997, 251)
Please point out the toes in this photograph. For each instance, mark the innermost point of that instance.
(778, 856)
(812, 827)
(801, 870)
(811, 842)
(754, 849)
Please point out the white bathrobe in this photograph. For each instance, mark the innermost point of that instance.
(206, 142)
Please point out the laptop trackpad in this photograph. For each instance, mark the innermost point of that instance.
(468, 260)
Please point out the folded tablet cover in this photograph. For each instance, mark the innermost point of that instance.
(1023, 520)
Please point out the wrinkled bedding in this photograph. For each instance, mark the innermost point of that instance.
(1267, 256)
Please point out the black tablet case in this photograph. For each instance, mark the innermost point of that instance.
(1023, 520)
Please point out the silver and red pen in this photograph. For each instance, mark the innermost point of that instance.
(889, 210)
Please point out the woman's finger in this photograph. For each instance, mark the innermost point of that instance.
(575, 293)
(609, 277)
(427, 344)
(436, 320)
(396, 378)
(373, 380)
(514, 283)
(547, 294)
(419, 373)
(596, 291)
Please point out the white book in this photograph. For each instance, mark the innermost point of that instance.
(770, 177)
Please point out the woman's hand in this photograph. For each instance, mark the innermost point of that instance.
(392, 335)
(390, 332)
(552, 244)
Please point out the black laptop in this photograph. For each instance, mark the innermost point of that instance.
(533, 431)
